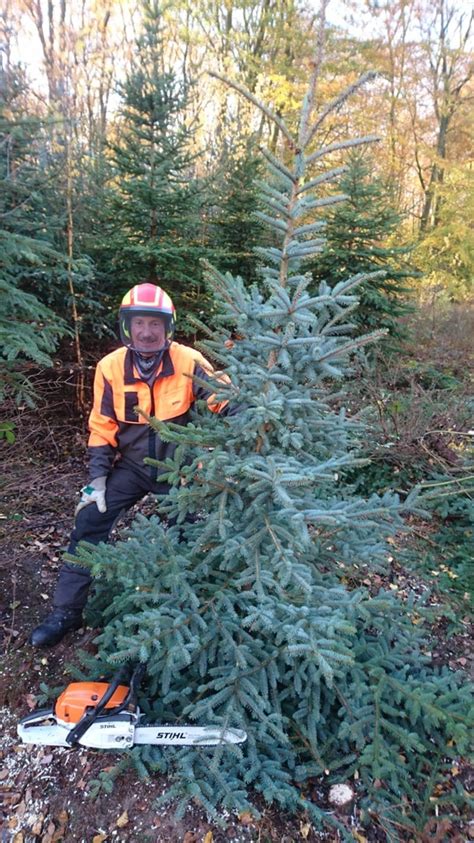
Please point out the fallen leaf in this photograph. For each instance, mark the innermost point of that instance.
(208, 838)
(38, 824)
(63, 817)
(99, 838)
(122, 820)
(359, 837)
(437, 830)
(305, 828)
(189, 837)
(246, 818)
(18, 838)
(31, 701)
(21, 809)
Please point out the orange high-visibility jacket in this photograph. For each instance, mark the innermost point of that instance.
(117, 429)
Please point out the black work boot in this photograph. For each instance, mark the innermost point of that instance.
(54, 627)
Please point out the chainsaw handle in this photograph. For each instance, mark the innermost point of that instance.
(121, 677)
(135, 681)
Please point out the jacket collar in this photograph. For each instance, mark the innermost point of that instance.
(166, 370)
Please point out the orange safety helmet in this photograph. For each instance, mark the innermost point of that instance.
(146, 300)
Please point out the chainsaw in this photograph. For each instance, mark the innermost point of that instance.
(103, 715)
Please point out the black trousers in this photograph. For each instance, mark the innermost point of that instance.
(124, 488)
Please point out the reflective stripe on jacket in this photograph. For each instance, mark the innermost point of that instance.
(116, 428)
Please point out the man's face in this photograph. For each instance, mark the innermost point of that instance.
(148, 333)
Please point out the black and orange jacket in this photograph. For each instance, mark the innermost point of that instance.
(117, 429)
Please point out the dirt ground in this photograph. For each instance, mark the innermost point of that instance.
(44, 790)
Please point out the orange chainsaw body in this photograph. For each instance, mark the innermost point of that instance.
(78, 697)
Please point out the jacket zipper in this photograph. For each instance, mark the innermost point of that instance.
(152, 434)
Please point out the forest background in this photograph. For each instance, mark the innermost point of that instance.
(102, 188)
(80, 164)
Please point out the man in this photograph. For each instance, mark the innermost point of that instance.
(154, 373)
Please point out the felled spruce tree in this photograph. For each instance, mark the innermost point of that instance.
(245, 616)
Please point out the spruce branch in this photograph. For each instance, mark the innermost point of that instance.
(337, 145)
(338, 101)
(221, 284)
(209, 348)
(309, 228)
(273, 222)
(436, 711)
(342, 287)
(353, 345)
(278, 167)
(172, 432)
(309, 204)
(201, 326)
(312, 750)
(253, 99)
(325, 177)
(272, 193)
(309, 100)
(337, 318)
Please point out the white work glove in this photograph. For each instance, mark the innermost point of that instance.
(94, 492)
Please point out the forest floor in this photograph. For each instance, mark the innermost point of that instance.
(44, 790)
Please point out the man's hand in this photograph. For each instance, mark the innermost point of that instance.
(94, 492)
